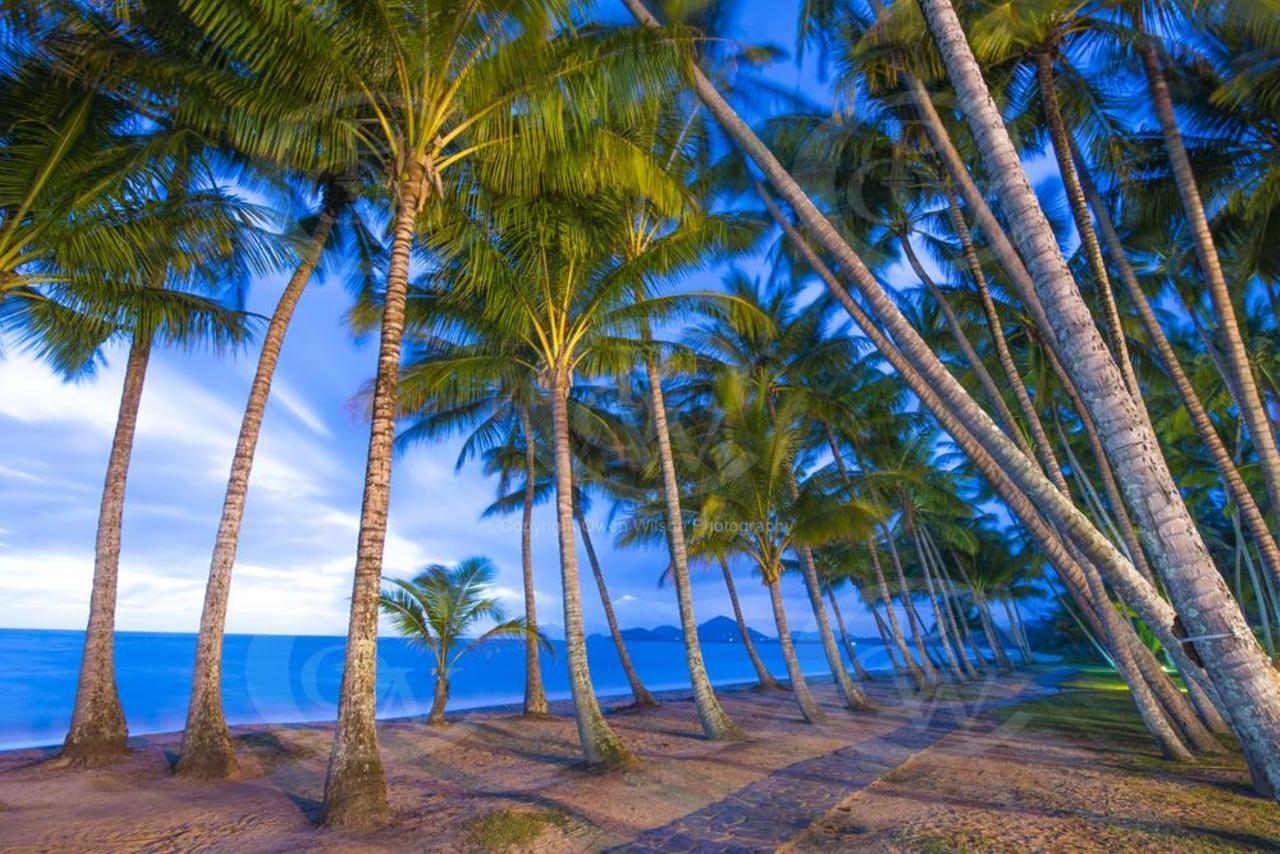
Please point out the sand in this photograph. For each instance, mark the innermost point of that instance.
(973, 777)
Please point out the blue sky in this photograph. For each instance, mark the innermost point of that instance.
(293, 573)
(296, 556)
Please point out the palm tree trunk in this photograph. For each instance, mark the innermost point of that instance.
(799, 688)
(763, 675)
(1061, 142)
(888, 644)
(206, 751)
(844, 637)
(715, 722)
(535, 696)
(939, 620)
(638, 691)
(600, 745)
(971, 357)
(98, 732)
(1022, 626)
(895, 630)
(355, 789)
(913, 620)
(989, 629)
(1241, 382)
(1155, 611)
(959, 616)
(1204, 426)
(440, 699)
(933, 570)
(1023, 652)
(1237, 666)
(853, 696)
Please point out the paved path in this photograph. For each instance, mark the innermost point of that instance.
(764, 814)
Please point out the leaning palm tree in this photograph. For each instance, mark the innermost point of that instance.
(439, 606)
(204, 239)
(445, 91)
(206, 742)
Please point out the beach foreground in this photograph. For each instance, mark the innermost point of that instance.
(1041, 759)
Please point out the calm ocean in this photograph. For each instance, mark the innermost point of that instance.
(283, 678)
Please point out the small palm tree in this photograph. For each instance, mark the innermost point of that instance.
(439, 606)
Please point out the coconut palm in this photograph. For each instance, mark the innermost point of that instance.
(438, 609)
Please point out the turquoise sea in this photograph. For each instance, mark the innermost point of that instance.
(284, 678)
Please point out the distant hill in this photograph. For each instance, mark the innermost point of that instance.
(725, 630)
(660, 633)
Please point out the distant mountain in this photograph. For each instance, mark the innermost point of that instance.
(805, 637)
(660, 633)
(725, 630)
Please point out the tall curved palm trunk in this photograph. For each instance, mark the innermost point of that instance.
(355, 788)
(639, 693)
(715, 721)
(535, 695)
(1204, 426)
(763, 676)
(1235, 668)
(808, 706)
(1240, 380)
(600, 745)
(206, 751)
(1239, 670)
(98, 732)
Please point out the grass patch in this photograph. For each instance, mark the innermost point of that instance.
(510, 828)
(931, 842)
(1092, 704)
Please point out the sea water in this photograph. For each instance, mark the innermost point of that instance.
(294, 678)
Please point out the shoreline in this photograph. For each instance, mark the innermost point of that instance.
(456, 713)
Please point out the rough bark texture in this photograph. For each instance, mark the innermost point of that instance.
(799, 688)
(1241, 382)
(535, 695)
(439, 699)
(715, 722)
(355, 789)
(1061, 141)
(1238, 668)
(206, 751)
(1236, 665)
(98, 732)
(765, 678)
(1204, 427)
(600, 746)
(1154, 609)
(639, 693)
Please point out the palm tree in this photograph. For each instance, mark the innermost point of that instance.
(439, 95)
(206, 238)
(463, 377)
(439, 606)
(754, 496)
(206, 742)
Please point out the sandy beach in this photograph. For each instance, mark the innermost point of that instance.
(965, 771)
